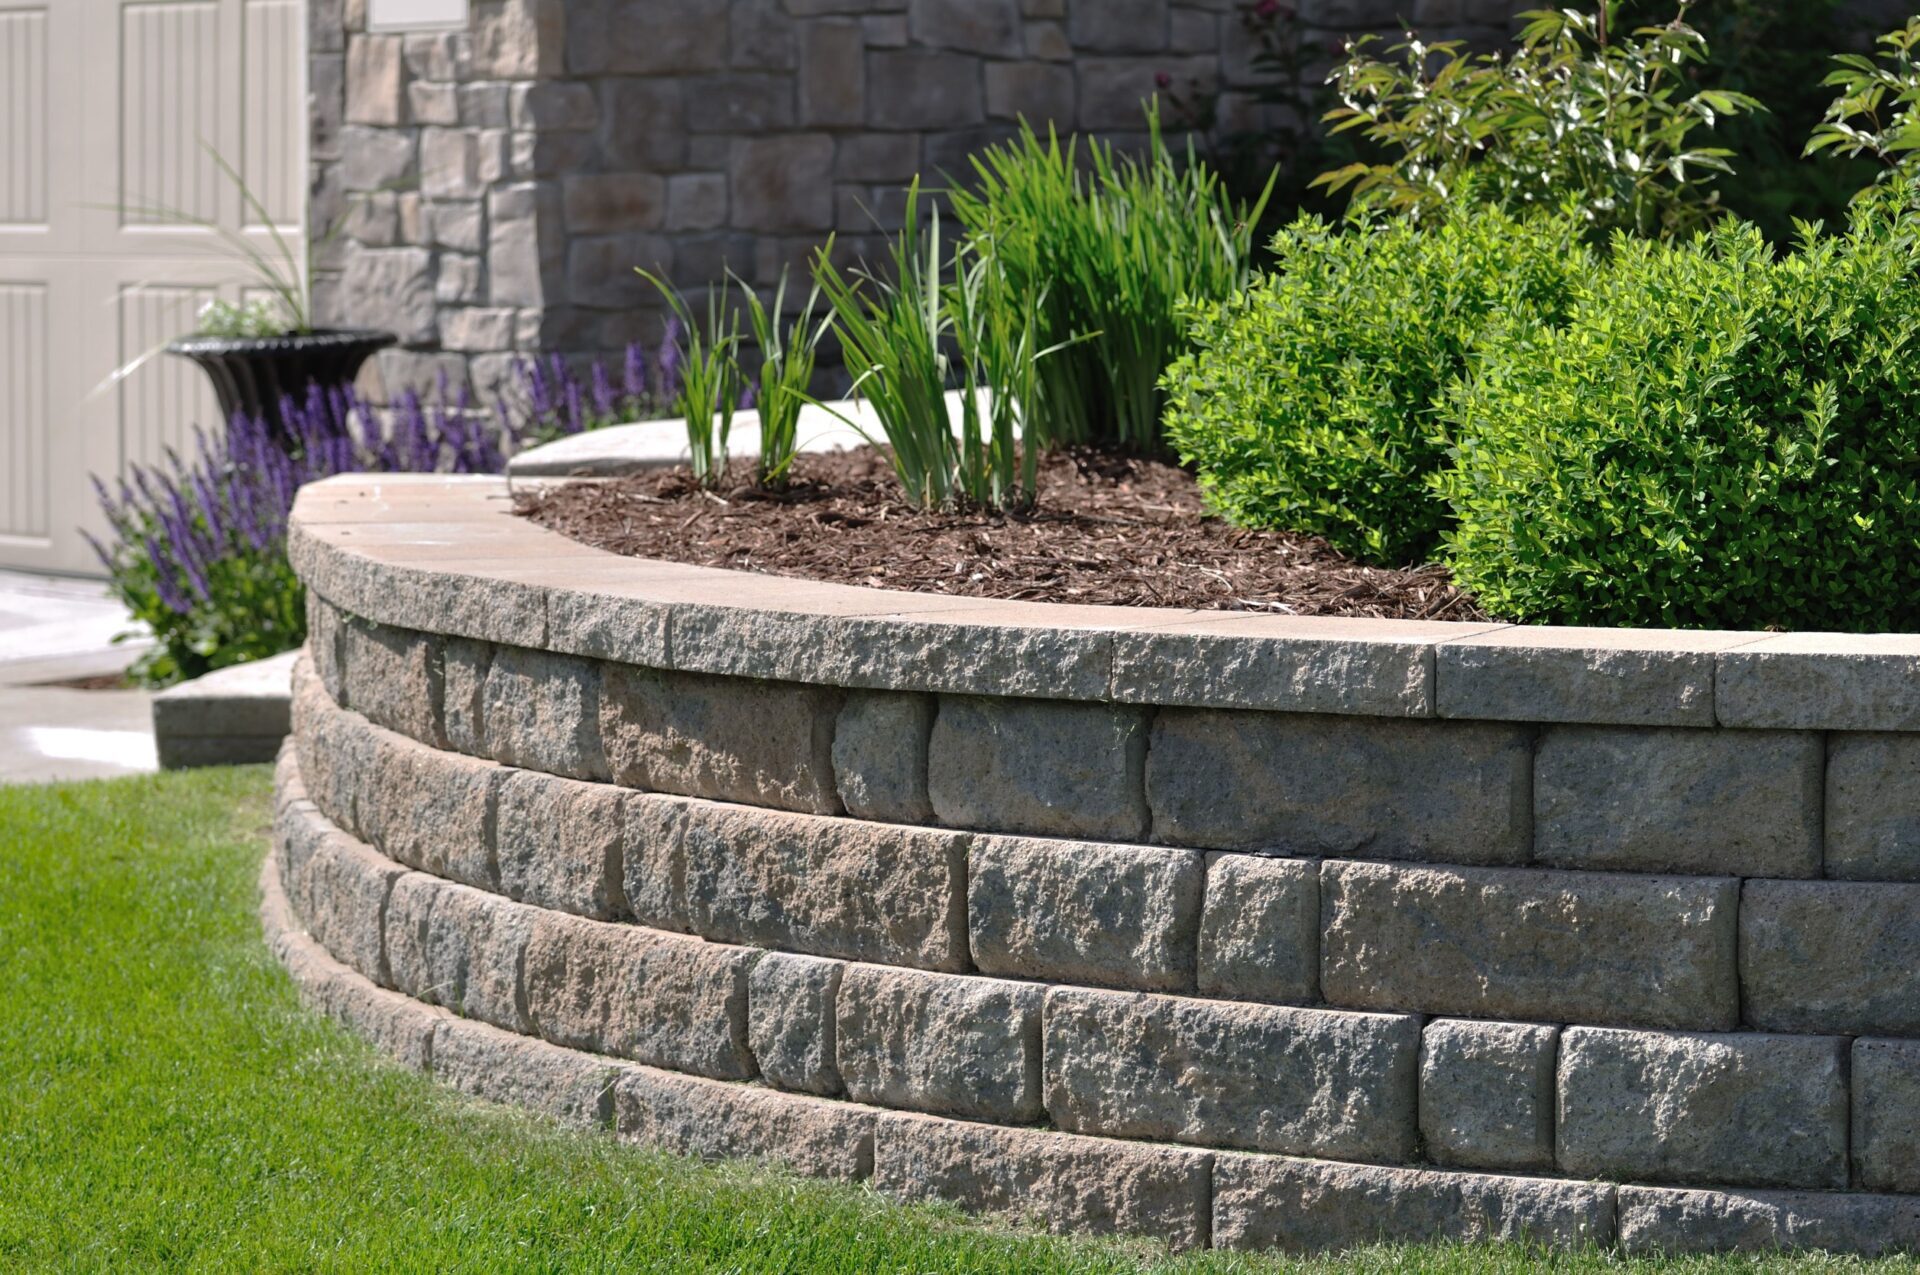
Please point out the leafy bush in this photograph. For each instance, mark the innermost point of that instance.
(1571, 120)
(1877, 114)
(1107, 248)
(1714, 438)
(1312, 402)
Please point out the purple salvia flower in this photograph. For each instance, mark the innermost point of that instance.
(633, 376)
(604, 405)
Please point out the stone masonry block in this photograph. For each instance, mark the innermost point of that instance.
(393, 679)
(1886, 1114)
(782, 182)
(1831, 956)
(940, 1043)
(345, 891)
(1309, 1206)
(827, 887)
(790, 1021)
(502, 1067)
(458, 947)
(1079, 912)
(1662, 1221)
(432, 810)
(990, 27)
(1729, 803)
(923, 89)
(833, 74)
(1260, 929)
(336, 750)
(1313, 784)
(689, 1116)
(1069, 1184)
(653, 861)
(880, 756)
(1486, 1093)
(542, 712)
(1219, 1073)
(376, 80)
(724, 738)
(326, 639)
(1621, 949)
(558, 843)
(463, 684)
(661, 999)
(1873, 807)
(1742, 1109)
(1038, 766)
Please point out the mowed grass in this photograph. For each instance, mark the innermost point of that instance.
(165, 1104)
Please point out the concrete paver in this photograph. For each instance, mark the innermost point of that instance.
(54, 630)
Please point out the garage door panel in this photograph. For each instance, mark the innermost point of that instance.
(170, 109)
(24, 111)
(161, 401)
(25, 419)
(273, 111)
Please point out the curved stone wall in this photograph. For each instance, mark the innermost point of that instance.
(1234, 930)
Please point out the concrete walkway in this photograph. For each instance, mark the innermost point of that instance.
(56, 630)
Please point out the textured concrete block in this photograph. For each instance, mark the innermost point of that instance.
(660, 999)
(1038, 766)
(791, 1005)
(1743, 1109)
(1260, 929)
(1522, 943)
(1873, 807)
(559, 841)
(653, 861)
(880, 756)
(940, 1043)
(719, 1121)
(432, 810)
(459, 947)
(1067, 1183)
(463, 703)
(1715, 802)
(1079, 912)
(393, 679)
(729, 739)
(1218, 1073)
(503, 1067)
(1656, 1220)
(542, 712)
(1486, 1093)
(1308, 1205)
(344, 891)
(1886, 1114)
(326, 645)
(1626, 677)
(1301, 783)
(1831, 956)
(1821, 681)
(336, 751)
(827, 887)
(398, 1026)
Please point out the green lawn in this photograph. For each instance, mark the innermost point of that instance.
(166, 1103)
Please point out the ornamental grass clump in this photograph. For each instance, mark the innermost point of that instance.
(703, 357)
(1104, 251)
(788, 353)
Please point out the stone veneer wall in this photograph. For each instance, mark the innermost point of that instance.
(1233, 930)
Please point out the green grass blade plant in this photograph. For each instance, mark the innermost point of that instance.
(1109, 249)
(710, 378)
(996, 333)
(787, 358)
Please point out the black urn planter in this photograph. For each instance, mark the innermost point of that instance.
(252, 374)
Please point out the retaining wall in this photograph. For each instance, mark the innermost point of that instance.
(1234, 930)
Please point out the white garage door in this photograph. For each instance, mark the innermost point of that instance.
(106, 104)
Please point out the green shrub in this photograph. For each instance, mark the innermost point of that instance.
(1877, 114)
(1312, 401)
(1713, 438)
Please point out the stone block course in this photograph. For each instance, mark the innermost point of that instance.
(1522, 943)
(940, 1043)
(714, 1120)
(1741, 1109)
(558, 843)
(1657, 1220)
(1726, 803)
(1821, 681)
(1314, 784)
(880, 756)
(1627, 677)
(1038, 766)
(1487, 1093)
(1873, 807)
(431, 810)
(392, 678)
(791, 1006)
(1885, 1084)
(344, 889)
(500, 1066)
(1079, 912)
(1260, 929)
(542, 711)
(1296, 1081)
(458, 947)
(1831, 956)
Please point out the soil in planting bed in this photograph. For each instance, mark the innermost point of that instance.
(1105, 529)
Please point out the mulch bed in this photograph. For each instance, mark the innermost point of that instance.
(1105, 530)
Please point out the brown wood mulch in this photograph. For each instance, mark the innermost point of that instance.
(1105, 529)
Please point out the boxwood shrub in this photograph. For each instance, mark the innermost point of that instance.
(1314, 398)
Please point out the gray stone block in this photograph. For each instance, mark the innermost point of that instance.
(1886, 1114)
(719, 1121)
(393, 679)
(1656, 1220)
(458, 947)
(1821, 681)
(1065, 1182)
(1521, 943)
(1309, 1206)
(344, 891)
(729, 739)
(1625, 677)
(1080, 912)
(661, 999)
(398, 1026)
(653, 861)
(790, 1021)
(1873, 807)
(1743, 1109)
(940, 1043)
(432, 810)
(1715, 802)
(558, 842)
(1831, 956)
(1486, 1093)
(503, 1067)
(233, 716)
(1260, 929)
(326, 645)
(1038, 766)
(542, 712)
(826, 887)
(1218, 1073)
(463, 704)
(880, 756)
(1301, 783)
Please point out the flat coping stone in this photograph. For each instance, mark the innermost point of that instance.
(1596, 676)
(242, 710)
